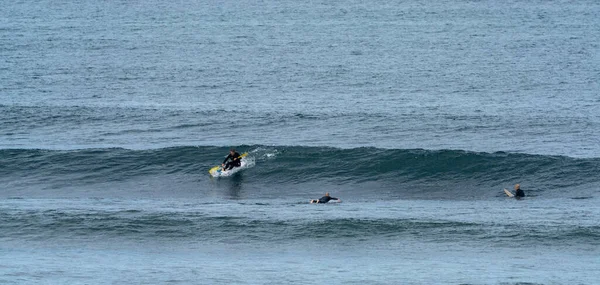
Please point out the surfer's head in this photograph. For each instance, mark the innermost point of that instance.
(327, 194)
(517, 186)
(232, 150)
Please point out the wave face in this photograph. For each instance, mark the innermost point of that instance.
(359, 171)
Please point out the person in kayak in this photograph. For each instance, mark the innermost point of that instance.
(325, 199)
(234, 160)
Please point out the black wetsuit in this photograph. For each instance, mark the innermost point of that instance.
(326, 199)
(519, 193)
(235, 161)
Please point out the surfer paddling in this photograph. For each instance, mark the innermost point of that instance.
(325, 199)
(234, 162)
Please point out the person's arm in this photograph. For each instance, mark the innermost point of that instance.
(337, 199)
(228, 156)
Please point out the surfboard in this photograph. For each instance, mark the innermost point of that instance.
(508, 193)
(218, 171)
(314, 201)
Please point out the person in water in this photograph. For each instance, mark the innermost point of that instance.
(518, 192)
(234, 162)
(325, 199)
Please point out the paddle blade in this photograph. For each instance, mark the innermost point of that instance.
(213, 169)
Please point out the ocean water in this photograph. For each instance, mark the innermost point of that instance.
(415, 113)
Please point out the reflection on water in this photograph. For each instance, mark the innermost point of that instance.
(234, 186)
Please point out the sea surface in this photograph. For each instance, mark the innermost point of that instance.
(416, 114)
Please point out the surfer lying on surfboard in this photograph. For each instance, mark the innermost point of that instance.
(235, 160)
(325, 199)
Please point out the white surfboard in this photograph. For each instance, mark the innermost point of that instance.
(508, 193)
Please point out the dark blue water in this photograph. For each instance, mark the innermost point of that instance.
(296, 172)
(416, 114)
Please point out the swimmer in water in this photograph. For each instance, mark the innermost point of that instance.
(325, 199)
(518, 192)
